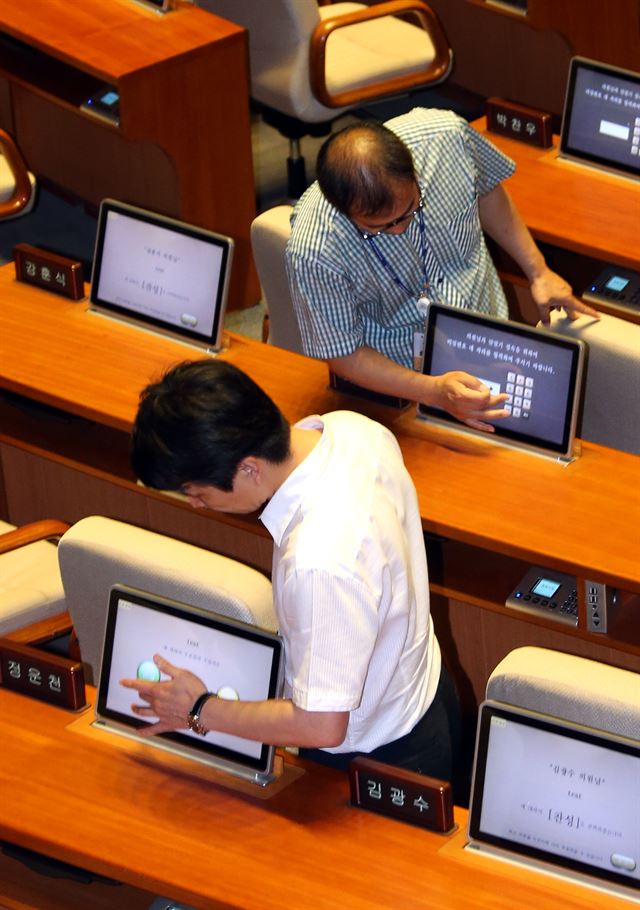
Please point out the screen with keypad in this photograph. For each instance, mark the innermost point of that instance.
(601, 119)
(540, 373)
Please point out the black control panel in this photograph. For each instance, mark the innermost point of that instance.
(105, 105)
(548, 593)
(618, 288)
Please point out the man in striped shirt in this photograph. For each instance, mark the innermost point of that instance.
(395, 219)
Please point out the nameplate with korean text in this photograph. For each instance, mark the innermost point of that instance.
(49, 677)
(401, 794)
(48, 270)
(519, 122)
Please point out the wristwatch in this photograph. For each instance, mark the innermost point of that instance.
(193, 718)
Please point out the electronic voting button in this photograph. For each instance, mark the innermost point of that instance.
(548, 593)
(616, 288)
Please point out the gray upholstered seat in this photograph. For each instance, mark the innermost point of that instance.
(571, 688)
(611, 404)
(269, 235)
(30, 584)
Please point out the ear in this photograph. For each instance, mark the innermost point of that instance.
(251, 467)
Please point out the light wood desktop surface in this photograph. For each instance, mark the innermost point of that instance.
(573, 206)
(498, 511)
(89, 798)
(58, 353)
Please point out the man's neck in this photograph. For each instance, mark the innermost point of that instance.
(303, 442)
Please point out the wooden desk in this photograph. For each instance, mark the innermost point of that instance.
(183, 145)
(587, 219)
(498, 510)
(571, 206)
(153, 822)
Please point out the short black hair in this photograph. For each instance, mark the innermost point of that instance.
(199, 422)
(357, 166)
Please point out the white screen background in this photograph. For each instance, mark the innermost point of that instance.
(217, 658)
(160, 273)
(576, 800)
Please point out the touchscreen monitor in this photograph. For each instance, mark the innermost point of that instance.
(235, 660)
(540, 373)
(556, 793)
(601, 119)
(160, 273)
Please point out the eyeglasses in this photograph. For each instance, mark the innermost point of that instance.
(369, 235)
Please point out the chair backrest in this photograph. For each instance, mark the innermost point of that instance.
(571, 688)
(269, 235)
(279, 34)
(97, 553)
(611, 404)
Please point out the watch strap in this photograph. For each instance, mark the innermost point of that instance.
(193, 718)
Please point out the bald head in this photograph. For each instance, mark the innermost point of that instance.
(359, 165)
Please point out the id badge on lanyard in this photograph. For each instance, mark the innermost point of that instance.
(422, 304)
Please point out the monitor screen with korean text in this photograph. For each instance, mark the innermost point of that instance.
(558, 794)
(540, 373)
(162, 274)
(234, 660)
(601, 120)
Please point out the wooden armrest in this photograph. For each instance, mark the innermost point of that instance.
(43, 630)
(22, 192)
(427, 18)
(48, 529)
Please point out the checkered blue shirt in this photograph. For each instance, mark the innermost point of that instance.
(345, 298)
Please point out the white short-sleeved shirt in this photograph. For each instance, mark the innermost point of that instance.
(345, 298)
(350, 583)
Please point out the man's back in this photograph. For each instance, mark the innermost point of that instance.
(350, 581)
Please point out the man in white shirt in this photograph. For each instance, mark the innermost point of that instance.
(362, 663)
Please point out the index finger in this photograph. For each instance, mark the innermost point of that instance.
(579, 308)
(142, 685)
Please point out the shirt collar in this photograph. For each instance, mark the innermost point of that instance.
(281, 508)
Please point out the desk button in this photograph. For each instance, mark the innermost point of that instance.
(623, 862)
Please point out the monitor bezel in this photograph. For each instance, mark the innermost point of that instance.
(561, 450)
(571, 152)
(213, 341)
(200, 749)
(501, 845)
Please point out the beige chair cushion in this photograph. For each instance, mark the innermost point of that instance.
(97, 553)
(30, 584)
(269, 235)
(572, 688)
(368, 52)
(357, 55)
(611, 409)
